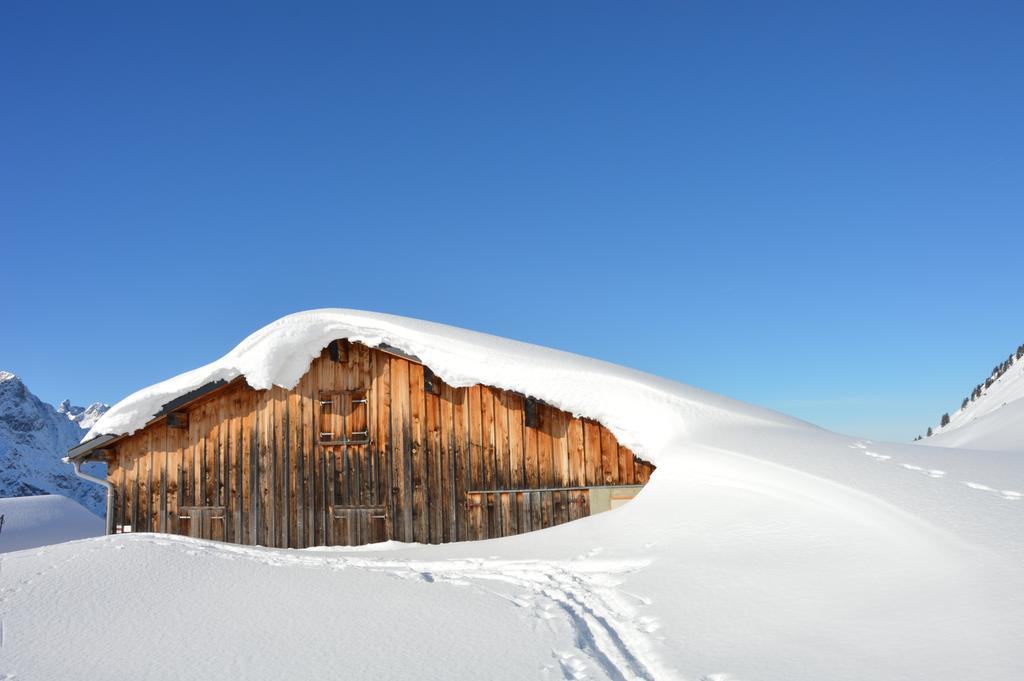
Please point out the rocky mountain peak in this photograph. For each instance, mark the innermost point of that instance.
(34, 437)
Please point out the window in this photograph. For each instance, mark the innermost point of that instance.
(344, 417)
(532, 413)
(431, 384)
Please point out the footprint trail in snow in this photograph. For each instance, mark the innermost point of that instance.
(583, 593)
(862, 447)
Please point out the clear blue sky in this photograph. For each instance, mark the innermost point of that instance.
(809, 207)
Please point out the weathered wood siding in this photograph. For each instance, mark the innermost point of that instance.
(368, 446)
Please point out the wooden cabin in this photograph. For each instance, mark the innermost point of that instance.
(369, 445)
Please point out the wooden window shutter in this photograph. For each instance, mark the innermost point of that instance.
(532, 413)
(431, 384)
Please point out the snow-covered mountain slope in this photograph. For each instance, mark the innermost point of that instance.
(33, 438)
(762, 548)
(30, 522)
(995, 420)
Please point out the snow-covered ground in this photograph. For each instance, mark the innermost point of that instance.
(993, 421)
(30, 522)
(762, 548)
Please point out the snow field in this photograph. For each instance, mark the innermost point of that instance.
(762, 548)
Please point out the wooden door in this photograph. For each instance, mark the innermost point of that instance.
(357, 525)
(357, 511)
(202, 522)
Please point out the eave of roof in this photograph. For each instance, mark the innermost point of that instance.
(83, 449)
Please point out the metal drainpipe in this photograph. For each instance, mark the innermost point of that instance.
(110, 491)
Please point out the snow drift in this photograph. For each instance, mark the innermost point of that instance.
(46, 519)
(762, 548)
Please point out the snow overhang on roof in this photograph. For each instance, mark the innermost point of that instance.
(82, 449)
(642, 410)
(87, 446)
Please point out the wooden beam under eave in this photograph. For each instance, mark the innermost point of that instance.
(102, 454)
(177, 419)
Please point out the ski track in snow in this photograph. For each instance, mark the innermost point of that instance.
(608, 631)
(1008, 494)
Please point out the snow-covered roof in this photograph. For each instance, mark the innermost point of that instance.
(641, 409)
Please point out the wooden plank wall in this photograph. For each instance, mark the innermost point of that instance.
(442, 464)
